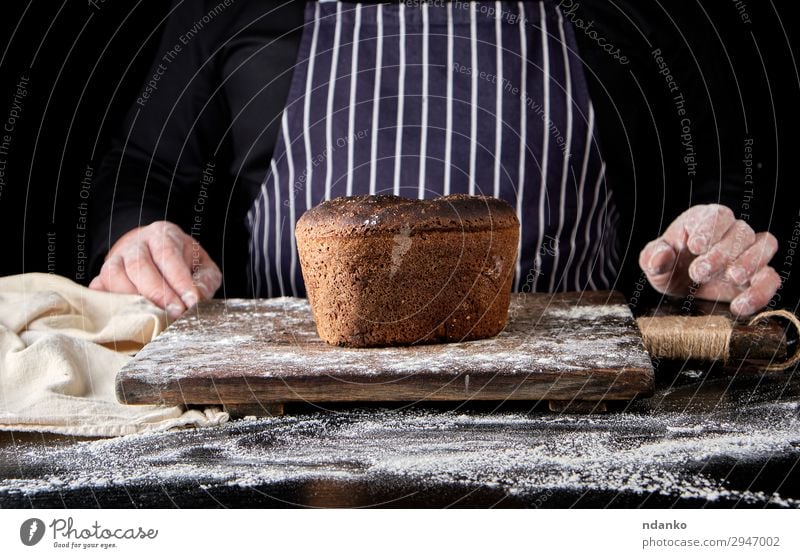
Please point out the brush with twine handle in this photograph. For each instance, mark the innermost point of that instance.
(761, 340)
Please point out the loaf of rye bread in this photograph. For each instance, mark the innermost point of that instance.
(384, 270)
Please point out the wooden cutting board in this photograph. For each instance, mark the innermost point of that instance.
(250, 355)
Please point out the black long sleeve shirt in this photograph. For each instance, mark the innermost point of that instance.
(197, 142)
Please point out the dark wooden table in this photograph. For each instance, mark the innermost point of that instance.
(710, 437)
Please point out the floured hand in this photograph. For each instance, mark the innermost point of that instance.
(707, 245)
(162, 263)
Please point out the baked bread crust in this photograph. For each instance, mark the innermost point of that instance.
(384, 270)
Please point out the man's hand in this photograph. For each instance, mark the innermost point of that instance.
(162, 263)
(728, 260)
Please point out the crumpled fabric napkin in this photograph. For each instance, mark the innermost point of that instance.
(61, 346)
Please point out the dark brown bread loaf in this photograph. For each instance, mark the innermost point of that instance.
(384, 270)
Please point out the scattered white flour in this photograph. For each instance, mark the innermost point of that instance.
(662, 453)
(590, 312)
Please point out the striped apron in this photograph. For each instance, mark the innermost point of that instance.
(427, 99)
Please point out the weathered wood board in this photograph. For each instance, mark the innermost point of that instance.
(563, 347)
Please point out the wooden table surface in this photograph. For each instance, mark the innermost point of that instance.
(711, 436)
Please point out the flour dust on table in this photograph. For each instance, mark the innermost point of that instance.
(518, 457)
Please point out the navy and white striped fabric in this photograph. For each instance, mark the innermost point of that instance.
(420, 101)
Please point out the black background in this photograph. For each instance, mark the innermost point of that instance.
(85, 64)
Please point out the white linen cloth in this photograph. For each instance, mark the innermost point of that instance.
(61, 346)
